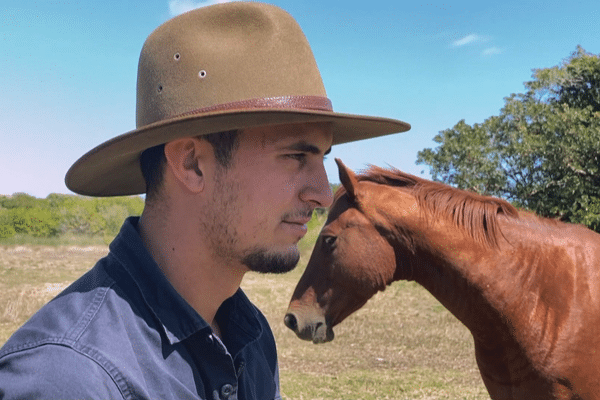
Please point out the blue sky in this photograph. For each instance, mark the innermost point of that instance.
(68, 70)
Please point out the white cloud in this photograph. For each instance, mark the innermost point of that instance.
(177, 7)
(490, 51)
(472, 38)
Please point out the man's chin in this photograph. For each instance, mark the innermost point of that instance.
(264, 261)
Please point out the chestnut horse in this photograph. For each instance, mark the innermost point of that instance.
(527, 288)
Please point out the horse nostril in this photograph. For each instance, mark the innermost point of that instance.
(291, 322)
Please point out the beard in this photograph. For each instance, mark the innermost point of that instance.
(263, 261)
(221, 227)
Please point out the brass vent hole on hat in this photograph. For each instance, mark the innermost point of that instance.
(202, 74)
(177, 56)
(160, 88)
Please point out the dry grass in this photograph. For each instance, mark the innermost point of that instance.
(401, 345)
(32, 275)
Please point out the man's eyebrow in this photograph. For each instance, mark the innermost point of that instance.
(305, 147)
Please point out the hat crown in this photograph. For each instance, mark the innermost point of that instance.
(222, 54)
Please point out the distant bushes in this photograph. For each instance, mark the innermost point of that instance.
(60, 214)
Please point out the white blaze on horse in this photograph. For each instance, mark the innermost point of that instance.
(527, 288)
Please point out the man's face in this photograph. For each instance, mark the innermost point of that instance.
(263, 201)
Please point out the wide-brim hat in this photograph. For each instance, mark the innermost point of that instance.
(218, 68)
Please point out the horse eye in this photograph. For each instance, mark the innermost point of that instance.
(329, 240)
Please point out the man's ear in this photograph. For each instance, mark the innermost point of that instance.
(184, 159)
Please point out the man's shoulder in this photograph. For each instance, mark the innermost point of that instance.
(100, 310)
(83, 330)
(102, 328)
(50, 356)
(62, 320)
(55, 371)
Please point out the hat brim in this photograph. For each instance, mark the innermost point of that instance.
(113, 169)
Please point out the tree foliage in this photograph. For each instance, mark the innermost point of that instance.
(541, 153)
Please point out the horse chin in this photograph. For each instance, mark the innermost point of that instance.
(322, 334)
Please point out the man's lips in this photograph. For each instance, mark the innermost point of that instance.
(302, 221)
(298, 225)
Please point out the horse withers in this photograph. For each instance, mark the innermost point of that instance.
(528, 288)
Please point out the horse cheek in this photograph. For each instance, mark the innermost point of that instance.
(371, 262)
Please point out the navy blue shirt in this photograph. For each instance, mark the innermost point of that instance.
(121, 331)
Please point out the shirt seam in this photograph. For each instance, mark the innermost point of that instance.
(93, 353)
(120, 381)
(79, 328)
(66, 339)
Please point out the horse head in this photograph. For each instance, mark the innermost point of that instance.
(351, 261)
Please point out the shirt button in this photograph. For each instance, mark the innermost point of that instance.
(226, 391)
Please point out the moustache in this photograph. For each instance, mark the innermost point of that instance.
(298, 215)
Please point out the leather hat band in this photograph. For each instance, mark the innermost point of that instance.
(315, 103)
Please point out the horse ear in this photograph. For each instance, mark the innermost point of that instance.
(348, 179)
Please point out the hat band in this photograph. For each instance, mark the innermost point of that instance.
(316, 103)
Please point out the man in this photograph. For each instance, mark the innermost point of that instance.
(232, 127)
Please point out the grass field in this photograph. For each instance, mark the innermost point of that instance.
(401, 345)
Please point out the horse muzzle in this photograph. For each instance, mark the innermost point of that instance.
(314, 329)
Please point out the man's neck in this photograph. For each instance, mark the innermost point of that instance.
(183, 257)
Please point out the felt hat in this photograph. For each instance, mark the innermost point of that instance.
(218, 68)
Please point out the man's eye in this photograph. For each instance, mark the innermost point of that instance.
(297, 156)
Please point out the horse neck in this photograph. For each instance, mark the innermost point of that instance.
(521, 299)
(496, 290)
(454, 268)
(457, 284)
(470, 277)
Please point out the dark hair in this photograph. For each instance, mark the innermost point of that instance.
(153, 160)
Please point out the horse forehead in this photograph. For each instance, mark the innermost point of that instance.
(345, 217)
(339, 206)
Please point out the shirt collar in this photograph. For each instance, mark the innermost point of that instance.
(239, 322)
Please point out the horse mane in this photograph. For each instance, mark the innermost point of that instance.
(476, 214)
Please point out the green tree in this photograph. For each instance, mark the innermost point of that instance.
(542, 152)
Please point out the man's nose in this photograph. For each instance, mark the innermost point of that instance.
(318, 190)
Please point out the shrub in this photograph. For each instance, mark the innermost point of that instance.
(6, 227)
(37, 222)
(6, 231)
